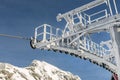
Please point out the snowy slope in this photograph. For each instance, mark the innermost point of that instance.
(38, 70)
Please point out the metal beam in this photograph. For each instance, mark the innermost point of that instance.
(82, 8)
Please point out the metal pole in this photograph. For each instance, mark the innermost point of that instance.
(35, 35)
(114, 1)
(44, 33)
(80, 17)
(51, 33)
(109, 5)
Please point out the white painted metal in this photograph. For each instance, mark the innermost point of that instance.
(114, 1)
(82, 8)
(111, 13)
(44, 34)
(115, 34)
(75, 39)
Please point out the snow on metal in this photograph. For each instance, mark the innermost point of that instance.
(75, 39)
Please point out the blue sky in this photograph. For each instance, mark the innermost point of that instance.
(20, 17)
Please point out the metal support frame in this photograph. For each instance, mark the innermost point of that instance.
(82, 8)
(115, 34)
(85, 19)
(74, 40)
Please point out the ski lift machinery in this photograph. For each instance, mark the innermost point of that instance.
(75, 38)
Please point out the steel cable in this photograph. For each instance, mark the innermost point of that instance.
(17, 37)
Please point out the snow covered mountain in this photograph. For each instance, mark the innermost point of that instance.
(38, 70)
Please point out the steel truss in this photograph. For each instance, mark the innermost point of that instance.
(75, 38)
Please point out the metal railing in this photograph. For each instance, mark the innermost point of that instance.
(47, 32)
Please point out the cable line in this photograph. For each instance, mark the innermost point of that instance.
(17, 37)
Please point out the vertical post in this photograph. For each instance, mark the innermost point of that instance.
(44, 33)
(109, 5)
(115, 6)
(115, 33)
(106, 14)
(98, 49)
(88, 45)
(51, 33)
(89, 19)
(66, 26)
(35, 35)
(91, 46)
(80, 18)
(85, 20)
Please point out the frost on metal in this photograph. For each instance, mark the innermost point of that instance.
(75, 38)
